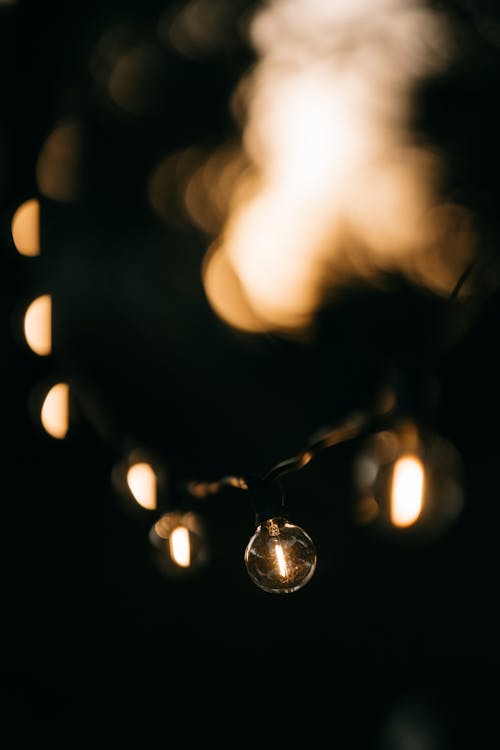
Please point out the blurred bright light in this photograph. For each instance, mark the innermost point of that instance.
(57, 168)
(55, 411)
(38, 325)
(200, 28)
(407, 491)
(141, 480)
(167, 184)
(280, 558)
(180, 549)
(133, 81)
(337, 184)
(225, 294)
(26, 228)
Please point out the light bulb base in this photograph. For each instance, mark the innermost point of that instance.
(268, 502)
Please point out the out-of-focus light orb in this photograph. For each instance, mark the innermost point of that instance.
(57, 167)
(26, 228)
(38, 325)
(55, 411)
(414, 723)
(142, 482)
(213, 186)
(134, 83)
(201, 28)
(140, 479)
(407, 490)
(339, 185)
(179, 543)
(167, 185)
(280, 557)
(224, 292)
(409, 483)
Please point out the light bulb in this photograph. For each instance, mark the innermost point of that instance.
(178, 540)
(409, 482)
(140, 480)
(280, 557)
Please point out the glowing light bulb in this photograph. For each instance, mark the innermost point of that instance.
(38, 325)
(54, 414)
(178, 539)
(280, 557)
(141, 480)
(407, 491)
(180, 547)
(409, 483)
(26, 228)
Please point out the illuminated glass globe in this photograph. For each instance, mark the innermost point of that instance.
(408, 483)
(179, 543)
(280, 557)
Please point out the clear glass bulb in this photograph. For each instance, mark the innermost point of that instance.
(179, 543)
(409, 482)
(280, 557)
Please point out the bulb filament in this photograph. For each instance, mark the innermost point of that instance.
(280, 557)
(180, 549)
(407, 492)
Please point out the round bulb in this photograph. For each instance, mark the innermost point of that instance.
(280, 557)
(409, 483)
(179, 543)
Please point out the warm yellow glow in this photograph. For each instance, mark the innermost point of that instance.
(337, 185)
(141, 480)
(224, 292)
(38, 325)
(407, 491)
(199, 28)
(180, 548)
(57, 167)
(280, 557)
(26, 228)
(55, 411)
(132, 84)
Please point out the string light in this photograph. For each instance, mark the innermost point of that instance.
(54, 414)
(408, 482)
(178, 541)
(38, 325)
(280, 557)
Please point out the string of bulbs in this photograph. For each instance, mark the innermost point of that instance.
(408, 481)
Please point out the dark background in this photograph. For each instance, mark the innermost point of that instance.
(388, 646)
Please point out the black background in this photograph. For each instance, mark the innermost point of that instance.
(387, 646)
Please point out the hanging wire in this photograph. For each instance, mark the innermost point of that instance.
(350, 428)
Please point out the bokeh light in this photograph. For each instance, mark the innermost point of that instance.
(142, 482)
(38, 325)
(55, 411)
(26, 228)
(57, 167)
(339, 186)
(200, 29)
(179, 543)
(409, 483)
(140, 479)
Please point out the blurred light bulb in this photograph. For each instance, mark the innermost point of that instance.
(280, 557)
(141, 480)
(178, 539)
(409, 482)
(38, 325)
(407, 491)
(180, 547)
(54, 414)
(26, 228)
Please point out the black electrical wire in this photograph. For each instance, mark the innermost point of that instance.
(350, 428)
